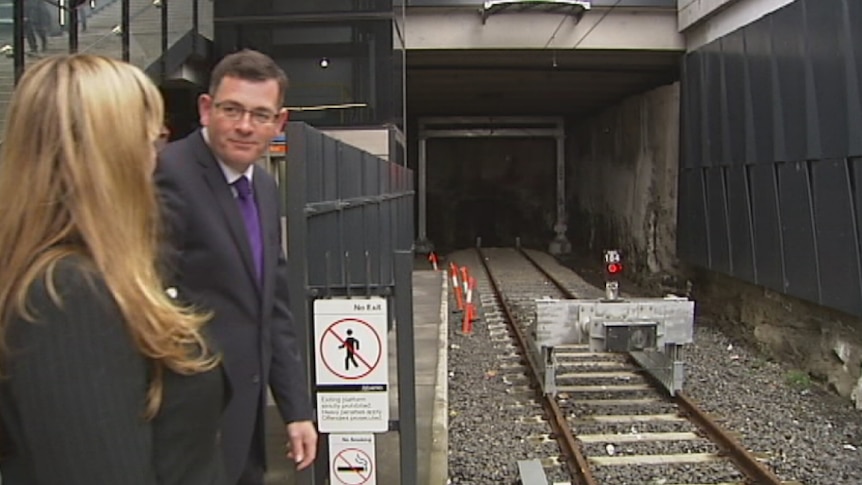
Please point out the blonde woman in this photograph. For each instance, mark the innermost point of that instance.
(104, 380)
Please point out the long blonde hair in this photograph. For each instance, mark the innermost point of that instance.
(75, 178)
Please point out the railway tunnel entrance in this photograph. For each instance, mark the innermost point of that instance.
(490, 179)
(555, 148)
(491, 188)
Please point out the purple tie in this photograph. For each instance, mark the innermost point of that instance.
(248, 207)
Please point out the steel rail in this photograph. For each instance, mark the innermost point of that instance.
(743, 459)
(738, 454)
(557, 283)
(576, 462)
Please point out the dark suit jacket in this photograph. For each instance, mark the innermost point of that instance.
(210, 259)
(73, 397)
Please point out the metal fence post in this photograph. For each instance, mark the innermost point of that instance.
(163, 41)
(72, 28)
(406, 366)
(125, 34)
(348, 215)
(296, 240)
(18, 46)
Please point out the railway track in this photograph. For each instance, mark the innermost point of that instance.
(612, 423)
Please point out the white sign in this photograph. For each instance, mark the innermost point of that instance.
(352, 367)
(352, 460)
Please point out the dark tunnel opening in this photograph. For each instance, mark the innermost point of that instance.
(498, 189)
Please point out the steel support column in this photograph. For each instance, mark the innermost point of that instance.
(125, 26)
(72, 26)
(423, 245)
(18, 47)
(404, 334)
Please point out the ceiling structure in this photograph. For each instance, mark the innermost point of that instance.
(531, 81)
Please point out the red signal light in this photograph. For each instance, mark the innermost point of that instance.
(614, 268)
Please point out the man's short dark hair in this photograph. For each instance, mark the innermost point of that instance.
(249, 65)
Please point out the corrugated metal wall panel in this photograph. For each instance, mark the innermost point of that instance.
(773, 112)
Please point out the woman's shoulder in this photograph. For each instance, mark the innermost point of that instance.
(75, 268)
(68, 281)
(70, 314)
(70, 290)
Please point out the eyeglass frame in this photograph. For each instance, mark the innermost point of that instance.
(220, 107)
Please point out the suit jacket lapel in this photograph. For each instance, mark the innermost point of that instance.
(267, 207)
(226, 201)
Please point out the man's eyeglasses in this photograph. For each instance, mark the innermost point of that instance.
(236, 112)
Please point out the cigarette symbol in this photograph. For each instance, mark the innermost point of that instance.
(362, 465)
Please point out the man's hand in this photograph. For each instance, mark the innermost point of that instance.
(302, 444)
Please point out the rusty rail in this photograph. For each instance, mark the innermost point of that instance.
(741, 457)
(576, 462)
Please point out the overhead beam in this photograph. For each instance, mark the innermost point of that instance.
(695, 11)
(514, 108)
(595, 3)
(534, 57)
(648, 29)
(704, 26)
(513, 78)
(615, 71)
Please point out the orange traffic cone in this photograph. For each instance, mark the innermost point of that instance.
(432, 257)
(467, 323)
(465, 278)
(473, 313)
(456, 286)
(470, 309)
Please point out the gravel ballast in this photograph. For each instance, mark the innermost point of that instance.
(809, 434)
(804, 432)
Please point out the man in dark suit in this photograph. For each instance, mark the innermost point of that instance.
(222, 219)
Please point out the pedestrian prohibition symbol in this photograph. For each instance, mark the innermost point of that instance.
(351, 349)
(350, 341)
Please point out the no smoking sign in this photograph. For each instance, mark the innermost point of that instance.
(352, 459)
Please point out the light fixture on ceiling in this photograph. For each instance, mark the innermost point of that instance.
(324, 62)
(575, 8)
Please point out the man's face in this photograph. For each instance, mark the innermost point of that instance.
(241, 118)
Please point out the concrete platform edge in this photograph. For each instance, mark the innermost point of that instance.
(439, 466)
